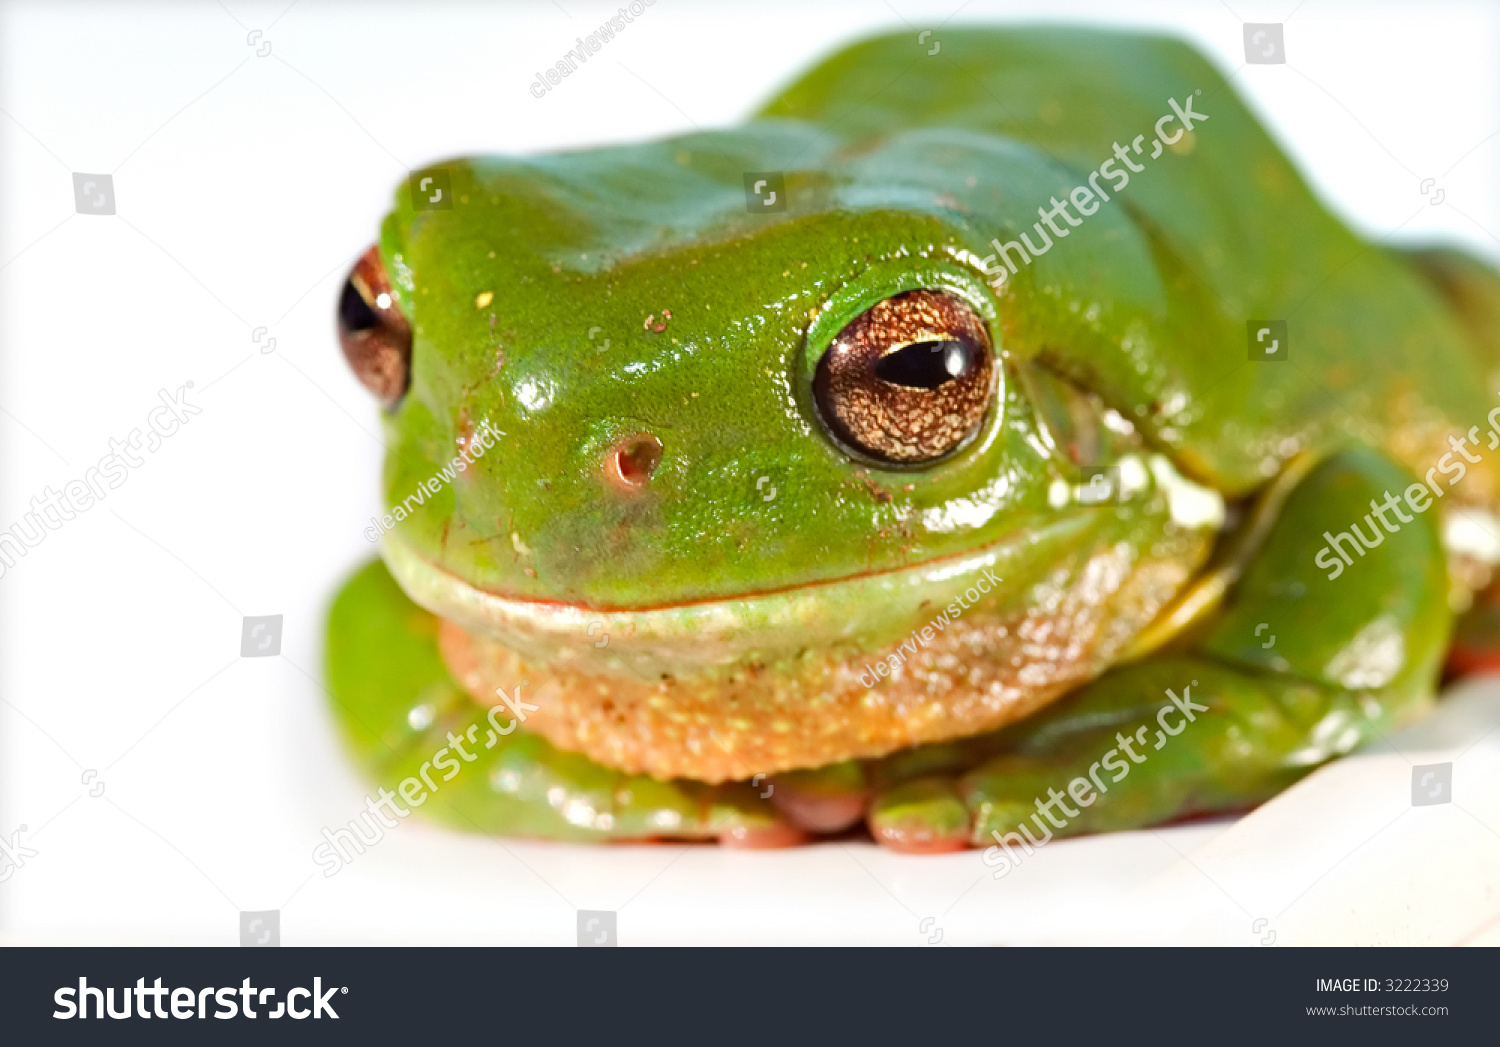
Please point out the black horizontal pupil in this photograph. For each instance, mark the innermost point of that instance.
(925, 365)
(355, 313)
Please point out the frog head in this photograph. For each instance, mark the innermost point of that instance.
(735, 394)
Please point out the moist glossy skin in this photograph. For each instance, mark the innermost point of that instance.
(723, 386)
(627, 299)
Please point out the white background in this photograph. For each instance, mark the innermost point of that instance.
(245, 185)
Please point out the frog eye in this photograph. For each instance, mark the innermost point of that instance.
(908, 380)
(373, 331)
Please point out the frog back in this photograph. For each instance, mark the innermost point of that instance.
(1370, 349)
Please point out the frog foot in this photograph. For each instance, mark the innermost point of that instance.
(1476, 637)
(1291, 669)
(421, 737)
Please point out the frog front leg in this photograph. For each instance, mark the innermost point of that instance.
(425, 743)
(1310, 655)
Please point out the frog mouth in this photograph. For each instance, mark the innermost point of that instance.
(1007, 575)
(703, 635)
(857, 667)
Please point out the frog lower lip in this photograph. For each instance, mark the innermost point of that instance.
(722, 631)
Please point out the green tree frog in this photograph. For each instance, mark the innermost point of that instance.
(965, 426)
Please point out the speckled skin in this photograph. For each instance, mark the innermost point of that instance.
(989, 667)
(539, 306)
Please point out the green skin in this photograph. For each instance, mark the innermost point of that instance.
(900, 168)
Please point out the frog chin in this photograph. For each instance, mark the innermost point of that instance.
(857, 614)
(768, 682)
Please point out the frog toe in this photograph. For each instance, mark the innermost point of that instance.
(822, 800)
(921, 816)
(738, 816)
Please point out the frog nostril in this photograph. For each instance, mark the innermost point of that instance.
(632, 460)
